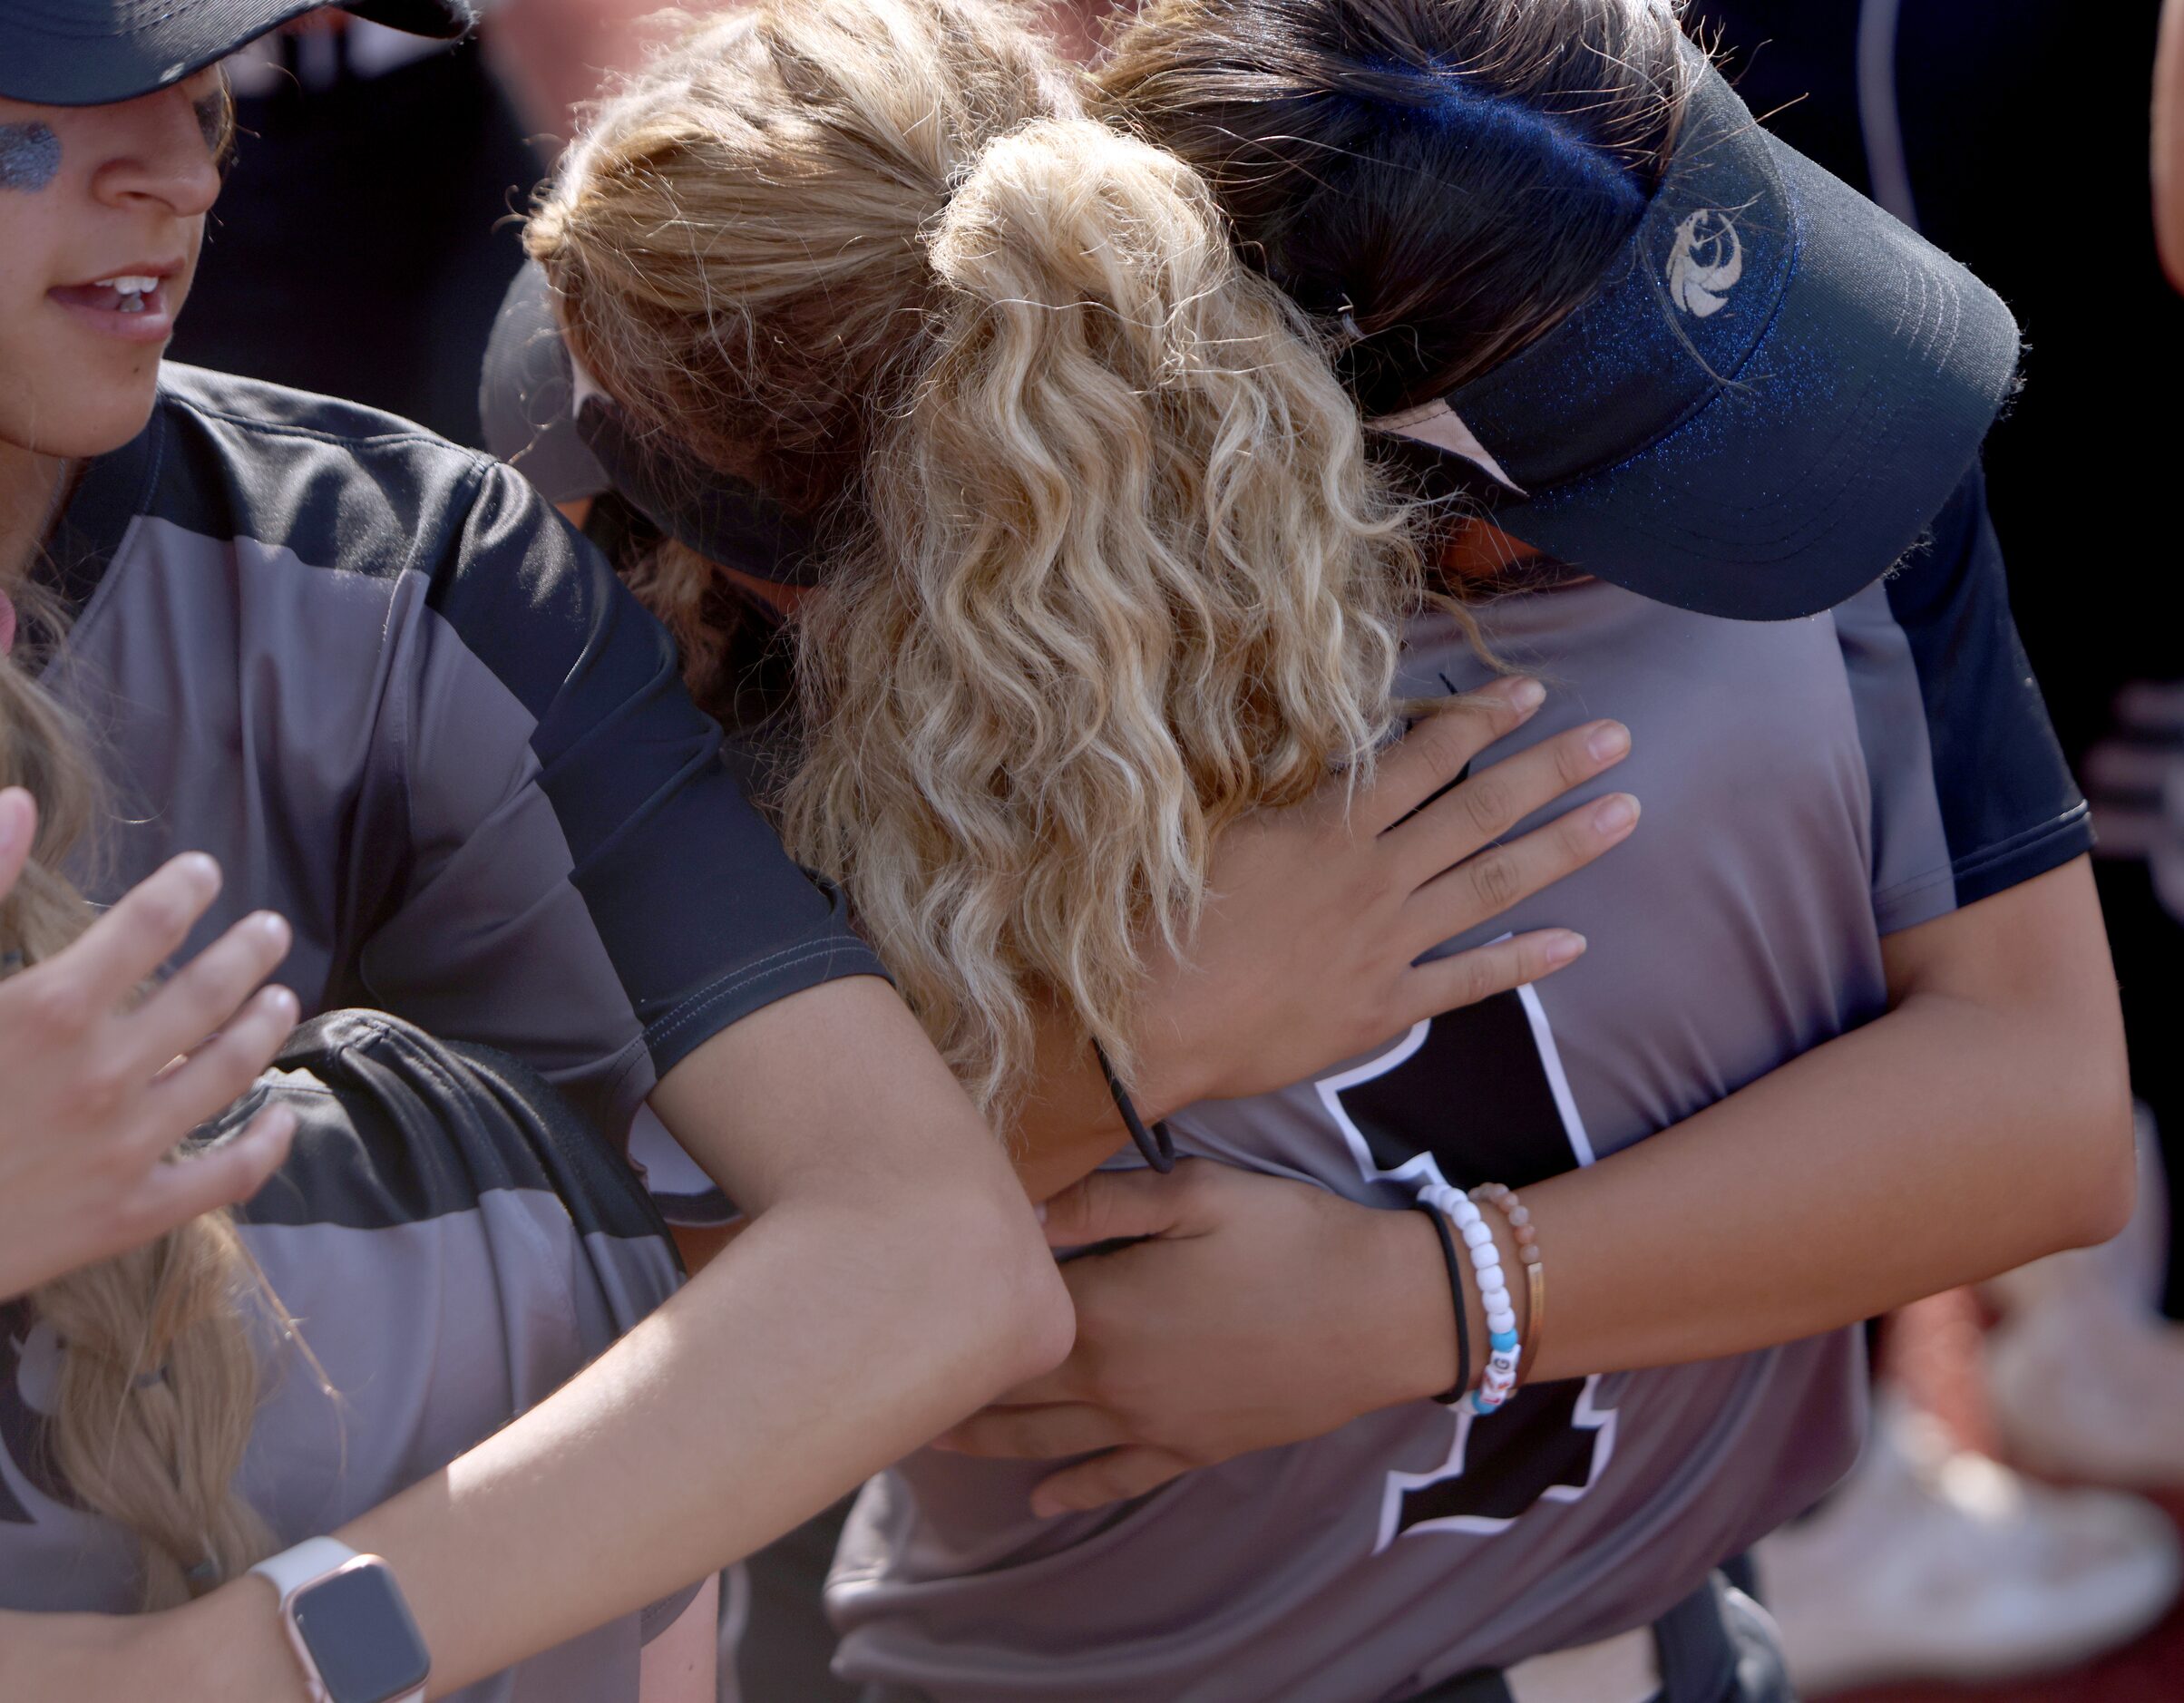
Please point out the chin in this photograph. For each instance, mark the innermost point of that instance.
(101, 422)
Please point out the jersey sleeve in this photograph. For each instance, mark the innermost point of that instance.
(1971, 794)
(585, 887)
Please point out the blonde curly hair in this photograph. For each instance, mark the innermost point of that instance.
(1110, 568)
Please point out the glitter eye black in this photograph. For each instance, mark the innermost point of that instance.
(30, 156)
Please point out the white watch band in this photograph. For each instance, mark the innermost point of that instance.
(314, 1558)
(305, 1565)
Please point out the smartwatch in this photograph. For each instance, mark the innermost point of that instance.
(348, 1624)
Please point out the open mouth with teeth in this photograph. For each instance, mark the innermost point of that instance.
(129, 293)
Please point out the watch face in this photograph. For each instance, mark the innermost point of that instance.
(360, 1633)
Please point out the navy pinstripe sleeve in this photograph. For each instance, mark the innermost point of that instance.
(2010, 809)
(701, 914)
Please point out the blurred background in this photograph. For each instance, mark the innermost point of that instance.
(2012, 1532)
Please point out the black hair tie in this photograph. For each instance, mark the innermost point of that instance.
(1159, 1150)
(1455, 1392)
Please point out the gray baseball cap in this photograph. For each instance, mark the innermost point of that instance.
(93, 52)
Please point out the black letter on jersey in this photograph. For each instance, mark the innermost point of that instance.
(1479, 1097)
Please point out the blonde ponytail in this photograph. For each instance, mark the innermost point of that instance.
(159, 1377)
(158, 1394)
(1138, 581)
(1113, 569)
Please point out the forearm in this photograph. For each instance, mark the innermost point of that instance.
(2169, 141)
(889, 1281)
(1934, 1147)
(811, 1354)
(826, 1342)
(1946, 1141)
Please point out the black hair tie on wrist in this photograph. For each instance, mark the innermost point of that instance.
(1455, 1392)
(1159, 1150)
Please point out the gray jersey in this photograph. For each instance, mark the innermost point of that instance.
(1809, 787)
(404, 705)
(453, 1244)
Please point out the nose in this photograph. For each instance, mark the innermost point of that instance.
(157, 158)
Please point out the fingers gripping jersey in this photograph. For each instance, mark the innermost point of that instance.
(1810, 787)
(406, 706)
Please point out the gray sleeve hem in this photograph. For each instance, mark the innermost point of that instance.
(1992, 870)
(1998, 868)
(1909, 903)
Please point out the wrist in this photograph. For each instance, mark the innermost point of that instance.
(74, 1655)
(1418, 1355)
(1464, 1291)
(225, 1646)
(1512, 1282)
(232, 1643)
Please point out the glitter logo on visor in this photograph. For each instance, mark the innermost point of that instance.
(1705, 264)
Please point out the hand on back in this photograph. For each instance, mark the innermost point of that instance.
(99, 1082)
(1309, 952)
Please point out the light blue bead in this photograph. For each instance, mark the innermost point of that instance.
(1504, 1340)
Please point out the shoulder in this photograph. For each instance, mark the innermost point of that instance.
(349, 490)
(336, 484)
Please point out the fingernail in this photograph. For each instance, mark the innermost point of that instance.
(200, 870)
(1565, 947)
(1609, 740)
(283, 1004)
(1616, 816)
(1525, 696)
(271, 924)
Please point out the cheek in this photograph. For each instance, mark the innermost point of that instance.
(31, 220)
(31, 232)
(62, 393)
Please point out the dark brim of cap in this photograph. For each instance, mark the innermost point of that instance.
(1814, 468)
(527, 395)
(527, 401)
(93, 52)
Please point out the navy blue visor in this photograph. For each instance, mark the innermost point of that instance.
(1772, 394)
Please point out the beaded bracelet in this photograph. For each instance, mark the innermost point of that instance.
(1527, 1253)
(1156, 1145)
(1498, 1381)
(1456, 1391)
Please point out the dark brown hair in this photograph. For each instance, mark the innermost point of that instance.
(1438, 181)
